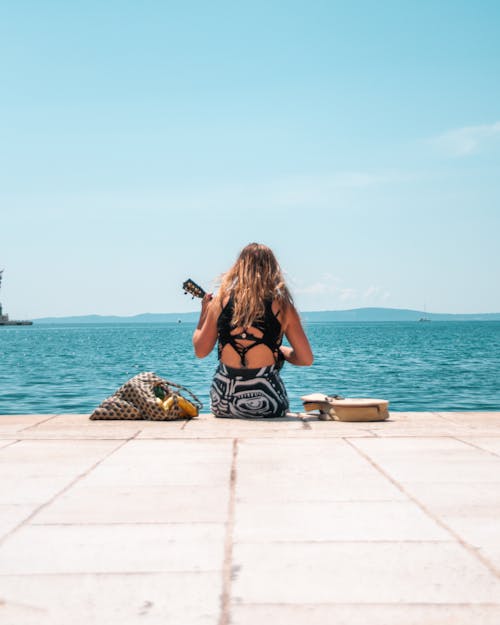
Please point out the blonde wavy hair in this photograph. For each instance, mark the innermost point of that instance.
(254, 278)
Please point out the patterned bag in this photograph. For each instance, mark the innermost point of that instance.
(147, 396)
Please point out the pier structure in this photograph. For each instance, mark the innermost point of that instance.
(211, 521)
(4, 319)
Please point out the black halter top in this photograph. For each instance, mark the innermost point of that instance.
(269, 326)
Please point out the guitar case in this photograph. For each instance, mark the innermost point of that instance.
(346, 408)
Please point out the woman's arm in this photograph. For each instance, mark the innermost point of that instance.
(300, 352)
(205, 335)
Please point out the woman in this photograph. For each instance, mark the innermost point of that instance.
(249, 316)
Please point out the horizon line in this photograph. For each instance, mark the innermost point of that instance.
(323, 310)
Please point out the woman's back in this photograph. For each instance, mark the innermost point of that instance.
(254, 346)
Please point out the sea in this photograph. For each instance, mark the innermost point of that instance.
(426, 366)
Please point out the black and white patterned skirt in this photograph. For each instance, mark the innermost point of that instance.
(248, 393)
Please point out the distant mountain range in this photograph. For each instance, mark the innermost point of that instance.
(142, 318)
(393, 314)
(355, 314)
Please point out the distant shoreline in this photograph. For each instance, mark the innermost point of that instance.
(353, 315)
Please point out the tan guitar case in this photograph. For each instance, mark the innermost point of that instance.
(346, 409)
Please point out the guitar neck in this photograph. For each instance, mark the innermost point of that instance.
(193, 289)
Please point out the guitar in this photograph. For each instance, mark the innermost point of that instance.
(193, 289)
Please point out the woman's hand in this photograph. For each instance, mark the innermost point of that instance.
(286, 352)
(205, 302)
(205, 305)
(300, 352)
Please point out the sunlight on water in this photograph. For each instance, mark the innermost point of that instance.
(435, 366)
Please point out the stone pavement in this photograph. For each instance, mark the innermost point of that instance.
(219, 522)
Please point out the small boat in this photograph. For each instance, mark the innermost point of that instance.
(424, 318)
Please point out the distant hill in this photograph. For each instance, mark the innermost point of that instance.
(393, 314)
(355, 314)
(142, 318)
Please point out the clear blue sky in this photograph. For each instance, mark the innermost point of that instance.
(145, 142)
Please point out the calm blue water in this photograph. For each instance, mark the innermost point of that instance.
(417, 366)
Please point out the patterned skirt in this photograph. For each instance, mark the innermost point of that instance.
(248, 393)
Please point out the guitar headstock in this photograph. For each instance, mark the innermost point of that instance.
(193, 289)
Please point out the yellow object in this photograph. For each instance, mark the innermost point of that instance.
(189, 409)
(167, 404)
(159, 402)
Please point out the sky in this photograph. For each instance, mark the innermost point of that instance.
(142, 143)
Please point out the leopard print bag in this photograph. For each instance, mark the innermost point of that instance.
(146, 396)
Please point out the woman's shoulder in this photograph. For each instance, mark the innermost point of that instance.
(222, 303)
(282, 309)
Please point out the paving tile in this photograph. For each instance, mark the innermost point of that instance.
(431, 460)
(417, 424)
(12, 515)
(37, 549)
(482, 431)
(338, 521)
(52, 458)
(375, 614)
(166, 462)
(161, 429)
(282, 449)
(69, 420)
(328, 432)
(334, 429)
(291, 421)
(72, 426)
(317, 453)
(442, 470)
(411, 419)
(157, 471)
(35, 471)
(208, 426)
(489, 549)
(71, 434)
(457, 498)
(488, 443)
(419, 444)
(6, 442)
(11, 424)
(236, 434)
(472, 510)
(477, 418)
(297, 573)
(138, 504)
(111, 599)
(172, 451)
(478, 529)
(30, 489)
(306, 488)
(476, 422)
(313, 470)
(330, 455)
(421, 431)
(23, 419)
